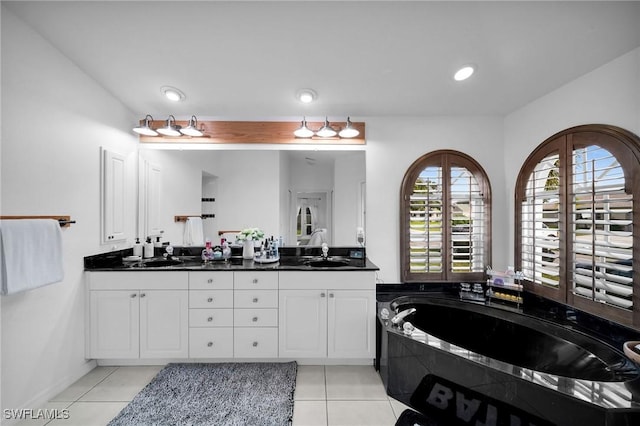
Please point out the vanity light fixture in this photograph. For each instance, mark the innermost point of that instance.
(172, 93)
(145, 129)
(192, 128)
(306, 96)
(170, 129)
(303, 131)
(326, 131)
(464, 73)
(349, 131)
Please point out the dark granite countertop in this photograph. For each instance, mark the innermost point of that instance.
(188, 259)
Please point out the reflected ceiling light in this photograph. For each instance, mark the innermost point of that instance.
(170, 129)
(464, 73)
(303, 131)
(172, 93)
(192, 128)
(349, 131)
(326, 131)
(145, 128)
(306, 96)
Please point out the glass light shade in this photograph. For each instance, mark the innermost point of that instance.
(144, 129)
(303, 131)
(349, 131)
(170, 129)
(192, 128)
(326, 131)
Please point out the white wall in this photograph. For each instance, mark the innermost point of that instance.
(55, 119)
(393, 144)
(607, 95)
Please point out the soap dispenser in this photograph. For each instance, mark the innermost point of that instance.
(148, 248)
(137, 248)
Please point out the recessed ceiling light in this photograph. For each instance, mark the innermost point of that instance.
(464, 73)
(306, 96)
(172, 93)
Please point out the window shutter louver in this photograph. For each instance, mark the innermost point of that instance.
(425, 222)
(466, 216)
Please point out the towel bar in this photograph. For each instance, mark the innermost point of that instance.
(64, 221)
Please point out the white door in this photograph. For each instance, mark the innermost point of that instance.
(164, 323)
(113, 196)
(303, 323)
(114, 324)
(351, 319)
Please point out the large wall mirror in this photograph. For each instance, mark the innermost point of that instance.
(304, 196)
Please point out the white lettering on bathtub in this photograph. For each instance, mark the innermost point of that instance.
(466, 409)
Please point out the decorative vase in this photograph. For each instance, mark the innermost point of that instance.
(247, 249)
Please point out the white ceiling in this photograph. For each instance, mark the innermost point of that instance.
(245, 60)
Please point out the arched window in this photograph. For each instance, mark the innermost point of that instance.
(445, 219)
(575, 215)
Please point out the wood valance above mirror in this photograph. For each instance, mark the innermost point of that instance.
(255, 132)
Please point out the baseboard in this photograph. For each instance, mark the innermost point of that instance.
(301, 361)
(41, 398)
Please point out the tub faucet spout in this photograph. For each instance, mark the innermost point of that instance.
(401, 315)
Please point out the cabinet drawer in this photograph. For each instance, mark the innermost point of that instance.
(137, 280)
(211, 342)
(210, 317)
(341, 280)
(258, 280)
(255, 317)
(255, 342)
(211, 299)
(206, 280)
(255, 298)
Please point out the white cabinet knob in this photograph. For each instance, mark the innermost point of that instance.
(255, 319)
(210, 344)
(210, 280)
(143, 295)
(255, 300)
(255, 344)
(210, 299)
(210, 319)
(323, 295)
(134, 295)
(330, 294)
(255, 281)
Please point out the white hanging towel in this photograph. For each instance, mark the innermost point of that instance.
(318, 237)
(30, 254)
(193, 231)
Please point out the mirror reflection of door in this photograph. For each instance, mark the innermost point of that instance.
(312, 215)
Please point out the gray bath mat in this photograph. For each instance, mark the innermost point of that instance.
(226, 394)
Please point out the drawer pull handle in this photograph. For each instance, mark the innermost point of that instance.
(255, 319)
(255, 281)
(255, 300)
(210, 280)
(143, 294)
(323, 295)
(210, 299)
(210, 344)
(255, 344)
(134, 295)
(210, 319)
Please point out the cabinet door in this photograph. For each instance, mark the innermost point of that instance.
(303, 323)
(114, 321)
(164, 324)
(113, 196)
(351, 319)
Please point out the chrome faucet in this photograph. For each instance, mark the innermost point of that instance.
(401, 315)
(325, 251)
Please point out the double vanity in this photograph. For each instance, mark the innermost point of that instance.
(295, 309)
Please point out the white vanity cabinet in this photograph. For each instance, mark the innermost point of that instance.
(327, 314)
(211, 314)
(137, 315)
(255, 314)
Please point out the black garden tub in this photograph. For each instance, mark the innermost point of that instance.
(530, 366)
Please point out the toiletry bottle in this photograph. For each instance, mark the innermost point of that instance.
(137, 248)
(226, 251)
(157, 243)
(148, 248)
(207, 253)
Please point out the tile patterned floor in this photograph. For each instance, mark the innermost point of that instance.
(325, 396)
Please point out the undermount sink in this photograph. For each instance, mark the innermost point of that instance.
(328, 263)
(161, 262)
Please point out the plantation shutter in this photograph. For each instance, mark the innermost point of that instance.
(540, 214)
(601, 220)
(467, 224)
(425, 222)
